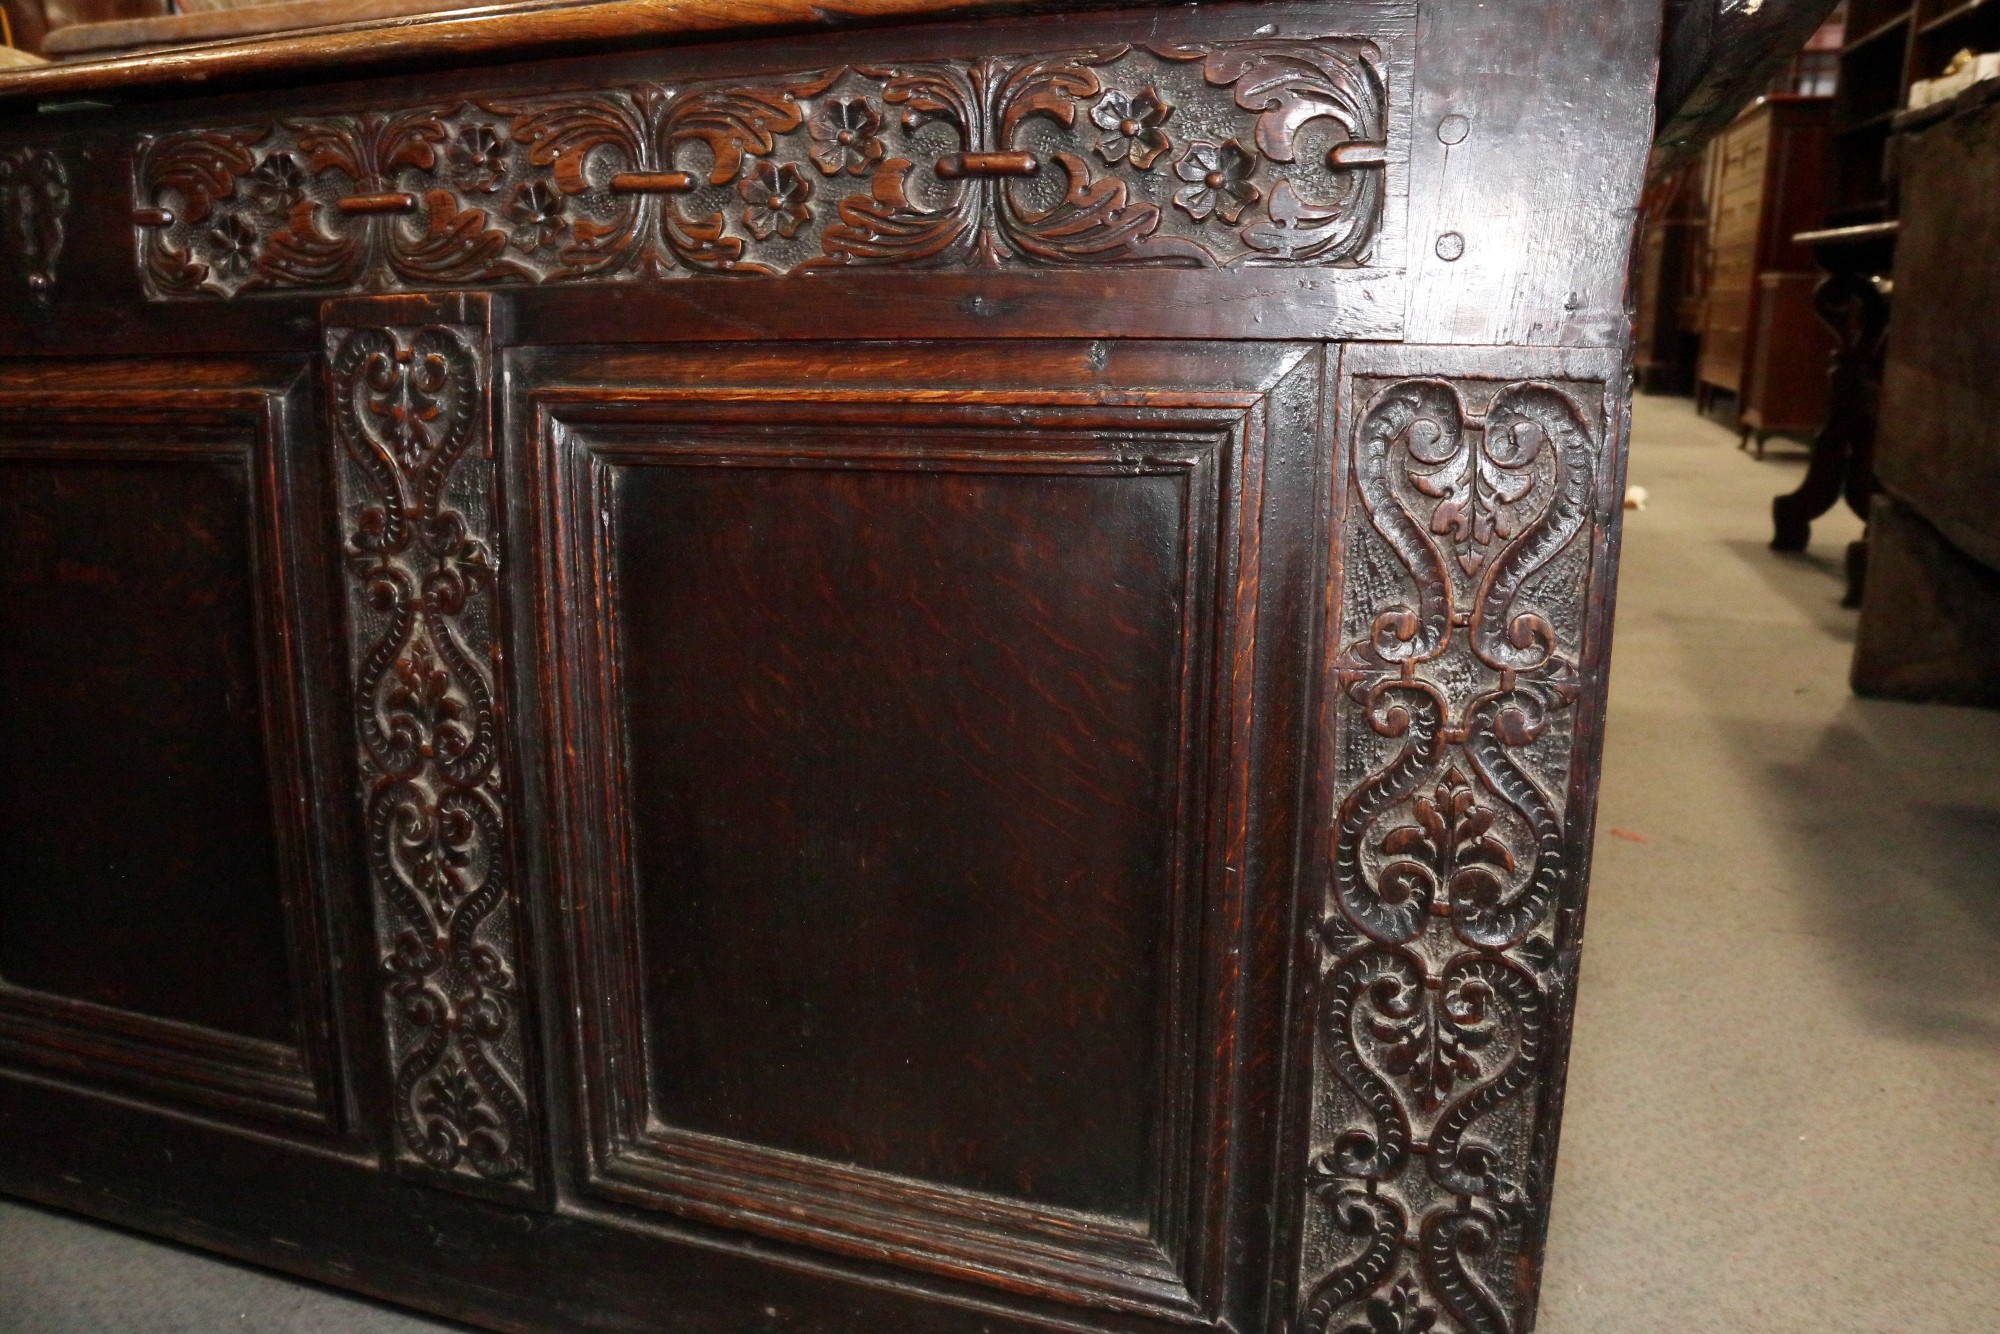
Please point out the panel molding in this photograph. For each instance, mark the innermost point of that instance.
(576, 435)
(167, 1062)
(1476, 504)
(409, 381)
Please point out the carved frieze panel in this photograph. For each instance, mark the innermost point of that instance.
(1474, 506)
(418, 513)
(34, 210)
(1253, 153)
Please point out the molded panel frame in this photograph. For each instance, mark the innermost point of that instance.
(254, 416)
(576, 416)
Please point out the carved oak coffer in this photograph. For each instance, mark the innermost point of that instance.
(930, 677)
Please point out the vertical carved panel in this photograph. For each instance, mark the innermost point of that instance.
(409, 385)
(34, 209)
(1462, 698)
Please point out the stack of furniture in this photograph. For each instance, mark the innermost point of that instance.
(1760, 341)
(1930, 612)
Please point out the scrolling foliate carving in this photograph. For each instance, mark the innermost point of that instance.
(1467, 549)
(1270, 152)
(34, 209)
(418, 508)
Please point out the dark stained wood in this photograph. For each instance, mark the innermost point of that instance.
(1938, 442)
(129, 616)
(1786, 391)
(938, 674)
(1928, 616)
(163, 867)
(1852, 302)
(912, 679)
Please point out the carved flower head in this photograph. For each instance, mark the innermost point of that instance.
(537, 213)
(478, 158)
(844, 132)
(1401, 1312)
(1134, 120)
(1219, 180)
(774, 199)
(233, 242)
(278, 183)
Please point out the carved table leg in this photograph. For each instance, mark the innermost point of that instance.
(409, 386)
(1477, 498)
(1851, 304)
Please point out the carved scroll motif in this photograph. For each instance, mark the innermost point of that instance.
(1245, 153)
(1467, 555)
(34, 209)
(418, 509)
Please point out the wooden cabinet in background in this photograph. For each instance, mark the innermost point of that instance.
(1930, 612)
(1767, 182)
(1785, 390)
(1666, 323)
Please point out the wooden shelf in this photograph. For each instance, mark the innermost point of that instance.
(1874, 122)
(1953, 16)
(1876, 34)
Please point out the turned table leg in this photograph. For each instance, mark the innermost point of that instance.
(1852, 302)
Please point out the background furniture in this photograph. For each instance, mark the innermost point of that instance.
(1667, 307)
(1930, 615)
(1767, 181)
(1852, 300)
(1892, 43)
(1786, 386)
(967, 658)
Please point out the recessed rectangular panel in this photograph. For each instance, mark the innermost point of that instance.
(903, 750)
(138, 862)
(900, 699)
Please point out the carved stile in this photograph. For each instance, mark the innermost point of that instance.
(34, 210)
(1243, 154)
(419, 508)
(1445, 947)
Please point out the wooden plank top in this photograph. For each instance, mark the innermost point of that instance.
(491, 32)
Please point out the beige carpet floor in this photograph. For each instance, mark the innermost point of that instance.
(1784, 1107)
(1784, 1112)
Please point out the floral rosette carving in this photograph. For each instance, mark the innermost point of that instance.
(1069, 159)
(1467, 556)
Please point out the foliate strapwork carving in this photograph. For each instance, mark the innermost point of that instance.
(34, 207)
(1467, 550)
(1242, 153)
(417, 500)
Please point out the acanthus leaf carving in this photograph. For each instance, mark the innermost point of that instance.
(1041, 160)
(1459, 642)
